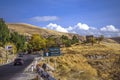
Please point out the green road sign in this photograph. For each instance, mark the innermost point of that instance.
(53, 51)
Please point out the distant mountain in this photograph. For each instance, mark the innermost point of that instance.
(28, 30)
(117, 39)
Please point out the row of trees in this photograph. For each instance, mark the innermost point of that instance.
(68, 42)
(4, 33)
(37, 42)
(11, 38)
(91, 39)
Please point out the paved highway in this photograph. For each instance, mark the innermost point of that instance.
(9, 71)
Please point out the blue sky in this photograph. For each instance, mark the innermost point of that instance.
(78, 16)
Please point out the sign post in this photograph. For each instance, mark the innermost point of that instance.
(7, 48)
(53, 51)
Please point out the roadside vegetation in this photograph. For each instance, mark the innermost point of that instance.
(8, 38)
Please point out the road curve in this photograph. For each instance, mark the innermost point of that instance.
(9, 71)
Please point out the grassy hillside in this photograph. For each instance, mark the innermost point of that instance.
(84, 62)
(27, 29)
(30, 29)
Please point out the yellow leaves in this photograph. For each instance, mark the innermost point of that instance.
(37, 41)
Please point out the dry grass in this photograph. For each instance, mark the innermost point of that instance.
(27, 29)
(73, 65)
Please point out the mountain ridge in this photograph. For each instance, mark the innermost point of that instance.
(117, 39)
(28, 29)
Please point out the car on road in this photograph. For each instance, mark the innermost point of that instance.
(18, 61)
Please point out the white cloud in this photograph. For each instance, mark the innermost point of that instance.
(82, 26)
(109, 28)
(74, 32)
(44, 18)
(84, 29)
(93, 28)
(56, 27)
(69, 28)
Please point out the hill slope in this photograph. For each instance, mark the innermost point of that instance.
(28, 29)
(83, 62)
(117, 39)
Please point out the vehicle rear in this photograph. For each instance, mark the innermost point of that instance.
(18, 61)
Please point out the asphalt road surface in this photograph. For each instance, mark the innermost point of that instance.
(9, 71)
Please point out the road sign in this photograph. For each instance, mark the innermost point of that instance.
(53, 51)
(8, 47)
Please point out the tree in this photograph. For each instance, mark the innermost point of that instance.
(66, 41)
(75, 39)
(37, 42)
(92, 40)
(18, 40)
(64, 37)
(25, 47)
(100, 38)
(50, 42)
(4, 32)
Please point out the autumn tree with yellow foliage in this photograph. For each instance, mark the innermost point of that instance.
(37, 42)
